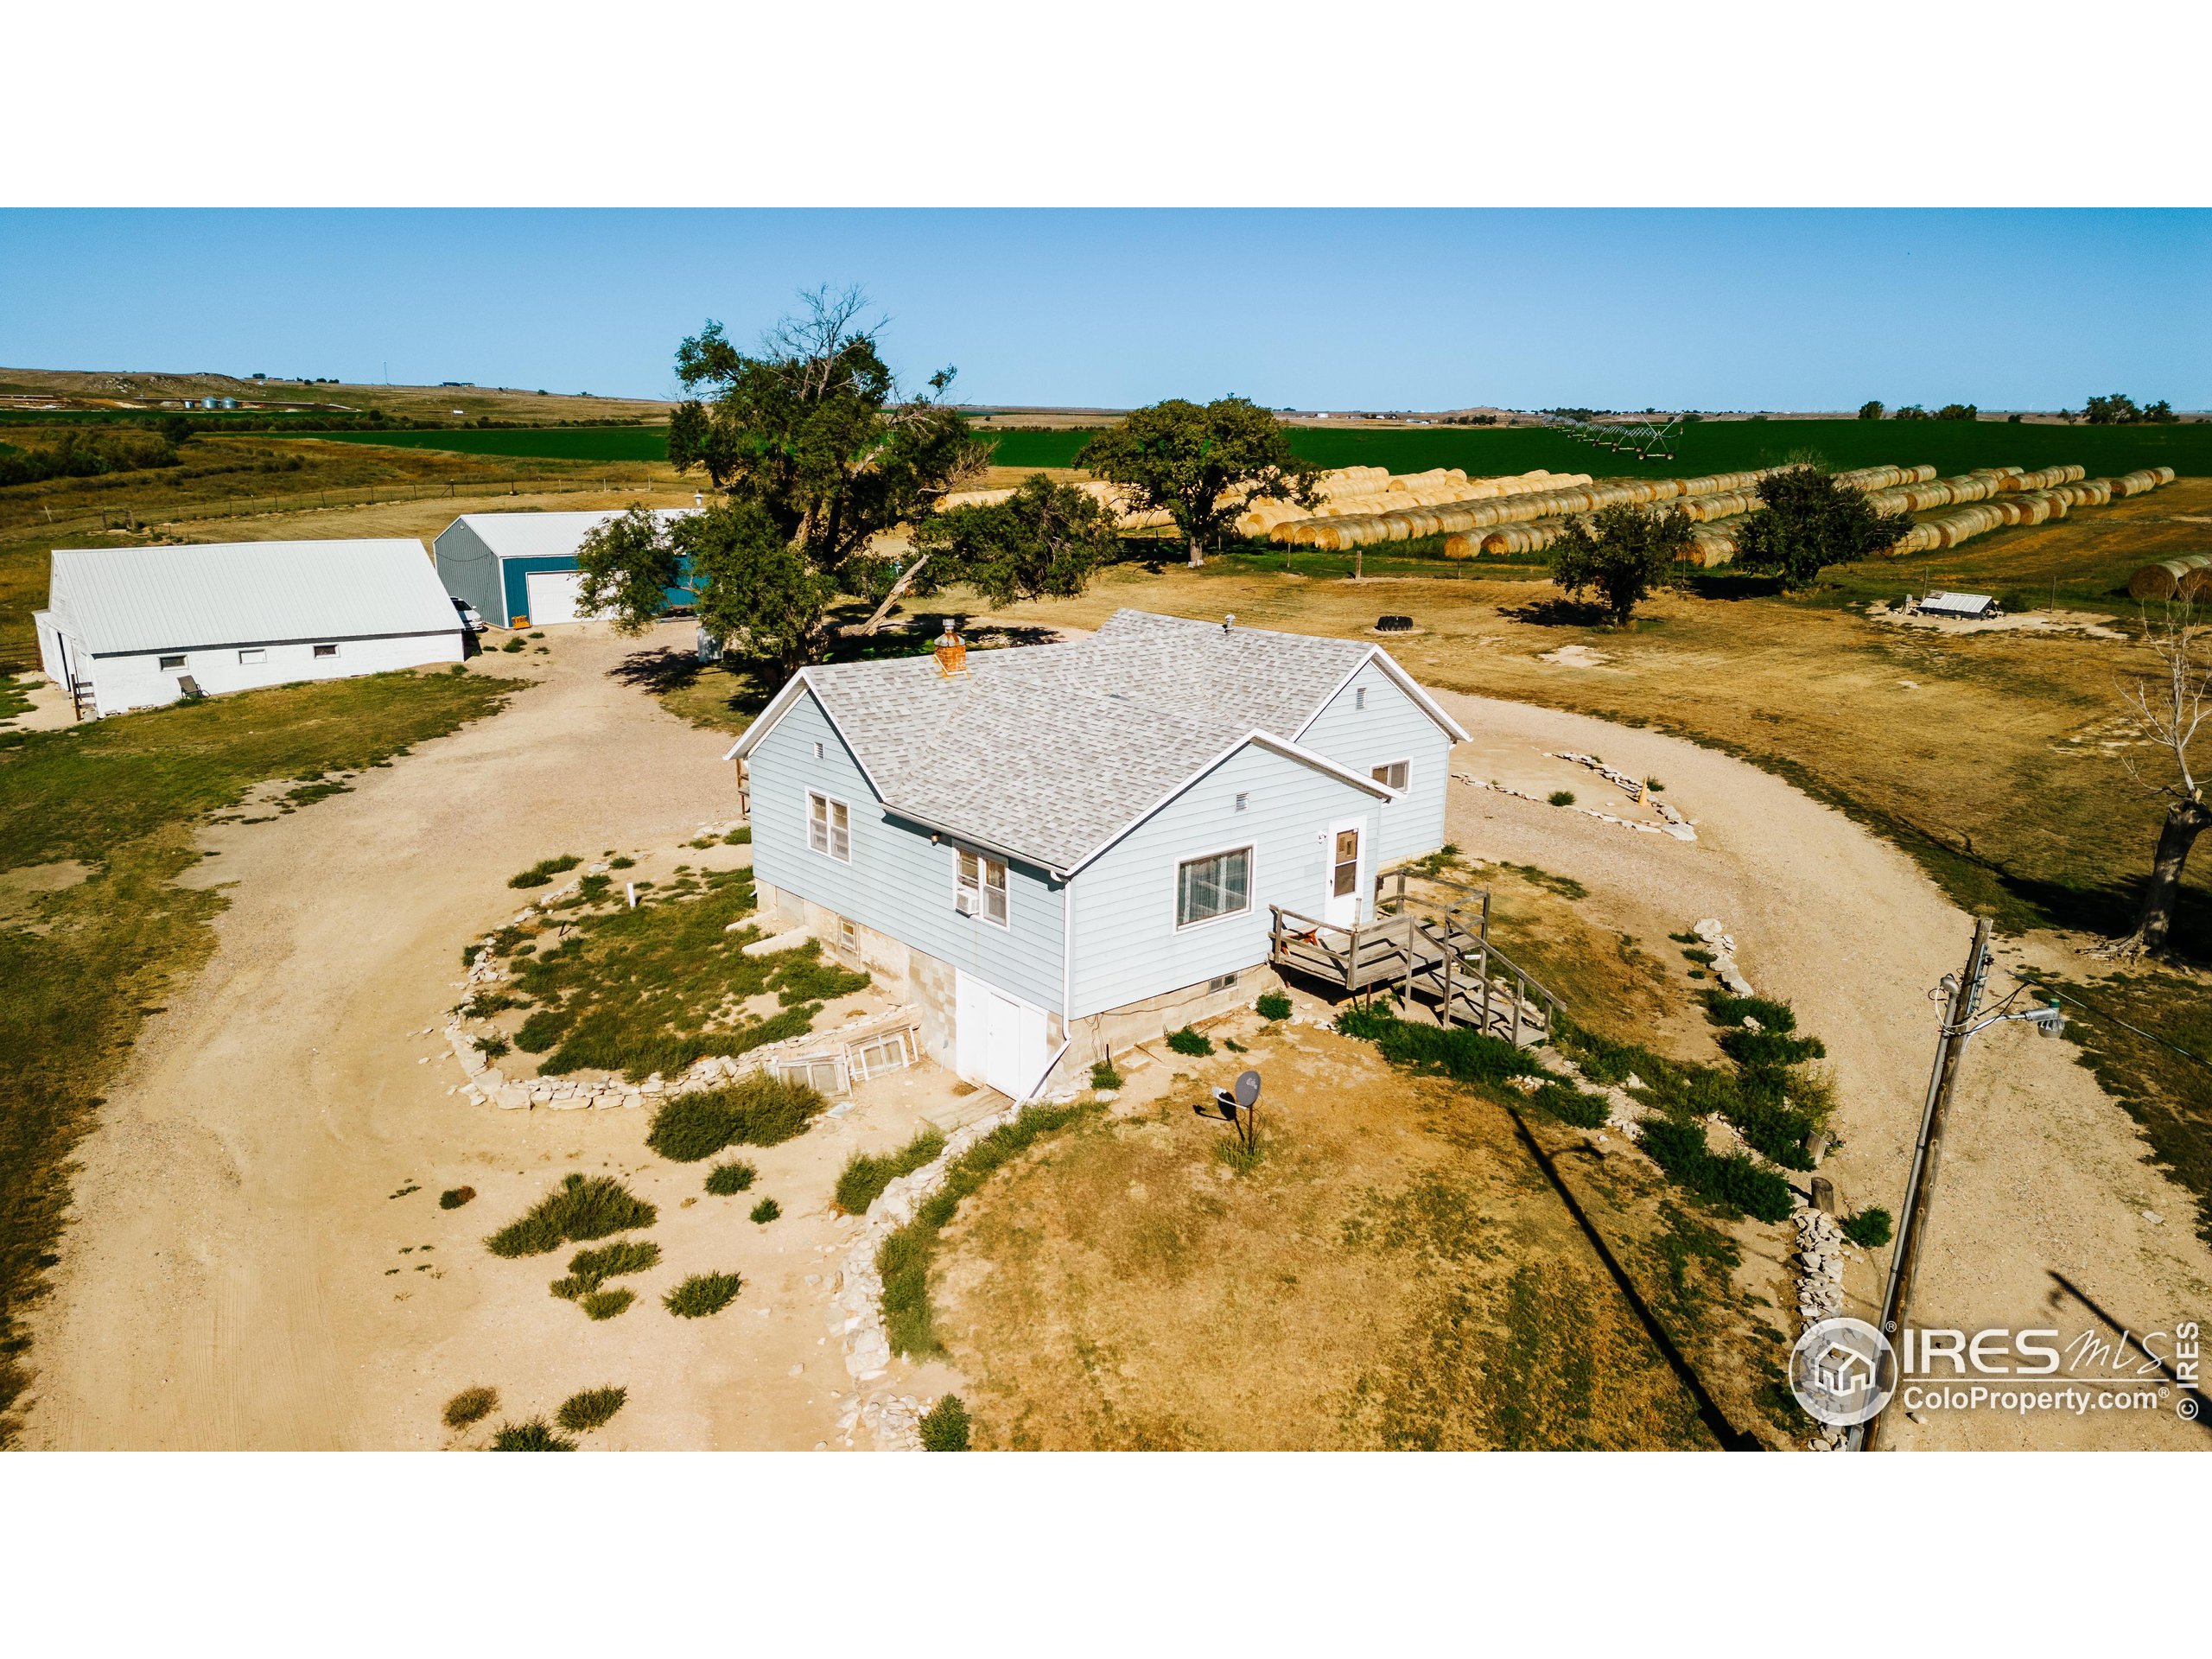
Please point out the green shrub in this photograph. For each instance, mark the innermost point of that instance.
(581, 1413)
(471, 1407)
(1654, 786)
(592, 888)
(484, 1004)
(1103, 1075)
(578, 1209)
(1769, 1050)
(944, 1425)
(605, 1304)
(1724, 1009)
(511, 646)
(767, 1210)
(493, 1048)
(740, 836)
(728, 1180)
(703, 1293)
(1733, 1182)
(454, 1197)
(1189, 1041)
(621, 863)
(469, 953)
(1561, 798)
(544, 871)
(1272, 1006)
(533, 1436)
(865, 1176)
(543, 1030)
(612, 1261)
(1571, 1105)
(1459, 1053)
(758, 1110)
(1869, 1228)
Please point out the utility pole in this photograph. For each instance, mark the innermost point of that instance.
(1963, 998)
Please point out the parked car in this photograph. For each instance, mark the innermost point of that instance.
(470, 617)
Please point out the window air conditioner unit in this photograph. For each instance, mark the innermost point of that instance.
(966, 901)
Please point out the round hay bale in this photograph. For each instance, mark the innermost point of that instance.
(2184, 577)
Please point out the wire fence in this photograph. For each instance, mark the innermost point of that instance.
(132, 516)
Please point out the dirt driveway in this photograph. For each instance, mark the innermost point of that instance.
(224, 1278)
(2044, 1179)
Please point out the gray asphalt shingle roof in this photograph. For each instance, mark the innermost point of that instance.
(140, 599)
(1049, 751)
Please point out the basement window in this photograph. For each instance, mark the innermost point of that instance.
(254, 656)
(1393, 775)
(828, 828)
(326, 651)
(980, 886)
(1221, 982)
(1220, 885)
(172, 662)
(884, 1054)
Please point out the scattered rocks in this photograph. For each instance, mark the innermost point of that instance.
(1722, 944)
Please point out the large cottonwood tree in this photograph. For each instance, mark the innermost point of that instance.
(1201, 464)
(812, 450)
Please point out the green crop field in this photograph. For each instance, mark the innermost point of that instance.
(1718, 446)
(1707, 447)
(543, 442)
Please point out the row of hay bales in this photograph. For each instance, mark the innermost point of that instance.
(1112, 497)
(2189, 578)
(1439, 486)
(1456, 519)
(1991, 498)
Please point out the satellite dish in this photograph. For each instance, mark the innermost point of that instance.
(1248, 1088)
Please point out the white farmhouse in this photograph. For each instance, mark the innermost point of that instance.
(130, 628)
(1058, 850)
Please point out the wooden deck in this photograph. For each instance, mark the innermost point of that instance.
(1432, 949)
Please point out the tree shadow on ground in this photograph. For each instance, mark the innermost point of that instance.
(1731, 585)
(662, 669)
(1558, 612)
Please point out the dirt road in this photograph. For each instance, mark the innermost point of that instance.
(2045, 1177)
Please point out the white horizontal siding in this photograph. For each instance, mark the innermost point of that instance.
(1391, 728)
(898, 882)
(1127, 946)
(137, 680)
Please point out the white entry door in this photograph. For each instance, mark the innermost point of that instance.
(1344, 867)
(554, 596)
(1001, 1040)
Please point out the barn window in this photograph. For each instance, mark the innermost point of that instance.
(828, 828)
(326, 651)
(1218, 886)
(1393, 775)
(172, 662)
(980, 886)
(257, 655)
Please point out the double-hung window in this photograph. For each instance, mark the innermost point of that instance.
(1393, 775)
(1220, 885)
(828, 828)
(979, 888)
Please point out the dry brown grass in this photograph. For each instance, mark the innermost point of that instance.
(1395, 1273)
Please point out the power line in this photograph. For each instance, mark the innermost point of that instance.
(2106, 1013)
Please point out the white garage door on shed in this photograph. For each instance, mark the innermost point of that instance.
(999, 1040)
(554, 596)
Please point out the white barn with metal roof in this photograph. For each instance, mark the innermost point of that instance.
(132, 627)
(1062, 849)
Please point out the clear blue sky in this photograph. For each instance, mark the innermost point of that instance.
(1712, 310)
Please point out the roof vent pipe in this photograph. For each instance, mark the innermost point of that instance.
(1229, 622)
